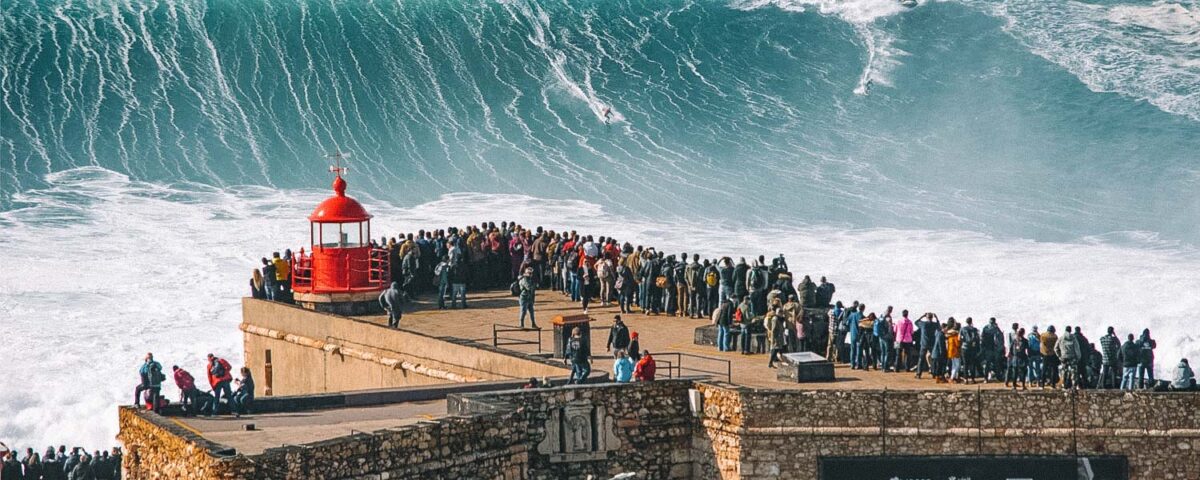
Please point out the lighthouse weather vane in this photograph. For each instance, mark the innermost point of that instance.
(337, 167)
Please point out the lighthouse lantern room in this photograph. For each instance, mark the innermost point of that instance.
(342, 272)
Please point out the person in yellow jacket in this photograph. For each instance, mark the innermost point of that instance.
(283, 272)
(954, 350)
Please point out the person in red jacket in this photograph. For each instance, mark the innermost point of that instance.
(644, 371)
(219, 376)
(187, 389)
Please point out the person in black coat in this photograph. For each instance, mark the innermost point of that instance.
(618, 336)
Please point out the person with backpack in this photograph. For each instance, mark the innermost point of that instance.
(836, 332)
(885, 334)
(219, 377)
(187, 389)
(578, 355)
(151, 375)
(525, 289)
(604, 276)
(756, 285)
(441, 277)
(1035, 361)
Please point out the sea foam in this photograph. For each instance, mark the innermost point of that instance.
(101, 269)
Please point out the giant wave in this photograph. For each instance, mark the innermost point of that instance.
(1029, 160)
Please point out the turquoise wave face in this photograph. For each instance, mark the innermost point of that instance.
(1018, 119)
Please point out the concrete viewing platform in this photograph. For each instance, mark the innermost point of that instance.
(346, 397)
(658, 333)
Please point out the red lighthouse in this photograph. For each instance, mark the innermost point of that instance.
(343, 273)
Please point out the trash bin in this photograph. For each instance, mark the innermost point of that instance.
(563, 325)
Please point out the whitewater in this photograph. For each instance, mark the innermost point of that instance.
(1033, 161)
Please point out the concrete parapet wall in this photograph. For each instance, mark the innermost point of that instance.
(785, 432)
(313, 352)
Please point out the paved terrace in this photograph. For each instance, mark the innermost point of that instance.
(659, 334)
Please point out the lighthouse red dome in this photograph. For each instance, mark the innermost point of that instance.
(339, 208)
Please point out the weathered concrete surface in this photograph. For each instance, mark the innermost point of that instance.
(313, 352)
(296, 428)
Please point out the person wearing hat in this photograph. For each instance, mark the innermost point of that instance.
(635, 353)
(528, 287)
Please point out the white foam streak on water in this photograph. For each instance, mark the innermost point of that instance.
(882, 56)
(101, 270)
(1145, 51)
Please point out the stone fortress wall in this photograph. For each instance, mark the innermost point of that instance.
(739, 433)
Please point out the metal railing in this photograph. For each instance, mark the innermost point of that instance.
(677, 368)
(500, 341)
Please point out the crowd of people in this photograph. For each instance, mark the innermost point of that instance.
(956, 351)
(757, 304)
(60, 464)
(238, 394)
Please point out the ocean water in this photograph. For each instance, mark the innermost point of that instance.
(1030, 160)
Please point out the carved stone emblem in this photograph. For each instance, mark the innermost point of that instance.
(578, 432)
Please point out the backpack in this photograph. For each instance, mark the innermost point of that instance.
(515, 288)
(755, 277)
(156, 374)
(711, 279)
(217, 370)
(573, 260)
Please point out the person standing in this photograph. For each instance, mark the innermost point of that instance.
(392, 301)
(1130, 356)
(604, 276)
(526, 298)
(723, 318)
(1033, 369)
(937, 354)
(268, 274)
(970, 350)
(441, 274)
(1049, 358)
(885, 334)
(993, 348)
(645, 369)
(927, 328)
(578, 355)
(618, 336)
(852, 320)
(219, 377)
(458, 284)
(835, 321)
(1068, 358)
(283, 273)
(694, 272)
(1146, 360)
(151, 375)
(1109, 351)
(954, 350)
(622, 367)
(825, 293)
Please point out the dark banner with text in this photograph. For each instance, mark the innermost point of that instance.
(974, 468)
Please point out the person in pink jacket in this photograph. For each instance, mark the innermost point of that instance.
(904, 342)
